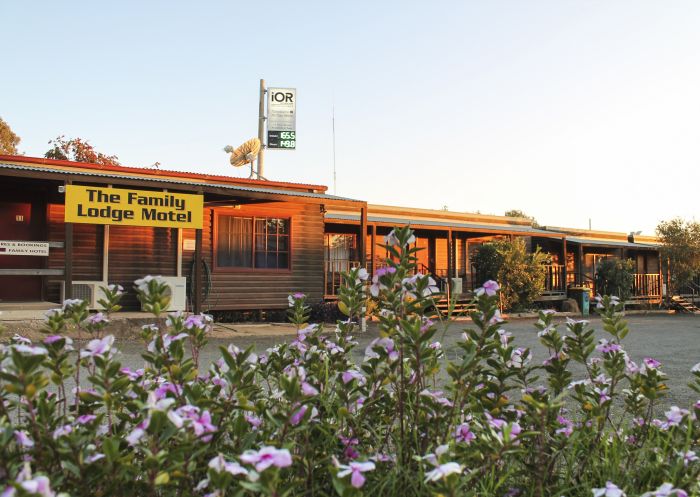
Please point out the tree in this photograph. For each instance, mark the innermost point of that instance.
(487, 261)
(78, 150)
(8, 139)
(680, 248)
(519, 213)
(615, 277)
(520, 274)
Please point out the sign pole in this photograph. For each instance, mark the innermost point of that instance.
(261, 131)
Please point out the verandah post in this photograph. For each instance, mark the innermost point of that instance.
(363, 237)
(563, 267)
(68, 256)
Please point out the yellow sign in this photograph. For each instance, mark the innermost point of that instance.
(95, 205)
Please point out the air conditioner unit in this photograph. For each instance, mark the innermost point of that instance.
(178, 289)
(89, 291)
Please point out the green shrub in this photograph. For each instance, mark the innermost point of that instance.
(521, 274)
(615, 277)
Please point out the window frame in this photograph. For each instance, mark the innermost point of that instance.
(254, 215)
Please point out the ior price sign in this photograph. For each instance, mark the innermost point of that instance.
(281, 139)
(281, 118)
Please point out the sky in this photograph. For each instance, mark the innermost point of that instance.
(574, 112)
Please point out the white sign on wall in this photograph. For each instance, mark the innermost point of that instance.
(10, 247)
(281, 118)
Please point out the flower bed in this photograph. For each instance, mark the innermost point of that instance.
(304, 419)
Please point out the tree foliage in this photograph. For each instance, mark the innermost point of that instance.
(519, 213)
(615, 277)
(680, 245)
(521, 274)
(487, 261)
(8, 139)
(78, 150)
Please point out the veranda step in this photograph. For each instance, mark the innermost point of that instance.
(683, 305)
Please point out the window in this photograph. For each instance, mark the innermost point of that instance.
(252, 242)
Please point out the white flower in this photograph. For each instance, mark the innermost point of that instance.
(610, 490)
(30, 350)
(444, 470)
(98, 347)
(666, 490)
(219, 464)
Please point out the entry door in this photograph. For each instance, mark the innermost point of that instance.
(16, 224)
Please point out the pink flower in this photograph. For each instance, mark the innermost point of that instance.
(38, 486)
(62, 431)
(386, 343)
(490, 288)
(674, 416)
(349, 450)
(437, 396)
(605, 347)
(97, 318)
(253, 420)
(86, 418)
(138, 432)
(308, 390)
(376, 284)
(298, 415)
(464, 434)
(689, 457)
(355, 469)
(352, 374)
(651, 363)
(266, 457)
(201, 425)
(294, 297)
(567, 426)
(23, 439)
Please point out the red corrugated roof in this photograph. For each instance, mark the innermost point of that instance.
(162, 173)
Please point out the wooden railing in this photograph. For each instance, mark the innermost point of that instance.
(554, 279)
(333, 274)
(646, 286)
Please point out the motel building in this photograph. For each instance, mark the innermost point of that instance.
(234, 244)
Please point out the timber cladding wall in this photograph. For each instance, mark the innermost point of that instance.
(242, 289)
(134, 252)
(87, 251)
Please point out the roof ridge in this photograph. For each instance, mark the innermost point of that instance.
(160, 172)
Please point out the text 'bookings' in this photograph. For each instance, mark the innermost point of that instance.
(95, 205)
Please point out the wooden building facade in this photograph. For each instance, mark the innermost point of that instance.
(262, 240)
(450, 240)
(259, 242)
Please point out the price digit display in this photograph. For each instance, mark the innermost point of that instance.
(281, 139)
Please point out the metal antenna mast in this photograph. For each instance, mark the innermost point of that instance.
(261, 132)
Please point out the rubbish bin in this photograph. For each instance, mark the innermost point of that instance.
(582, 295)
